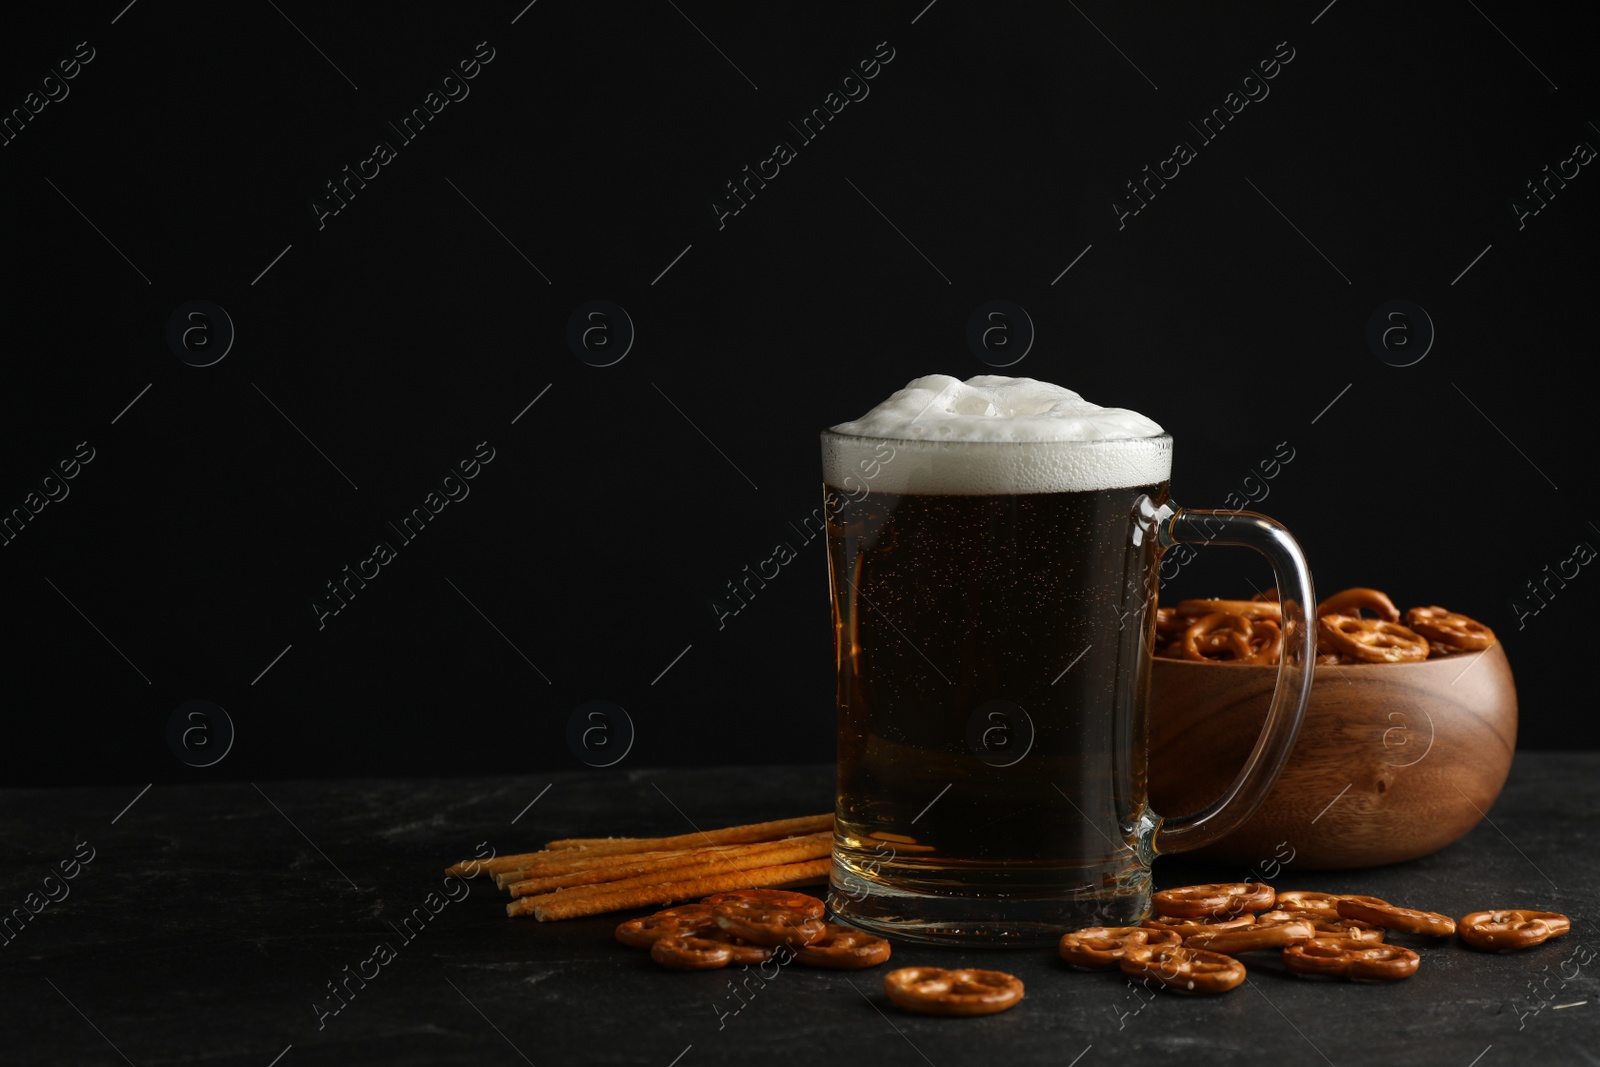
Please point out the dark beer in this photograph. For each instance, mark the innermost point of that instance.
(991, 651)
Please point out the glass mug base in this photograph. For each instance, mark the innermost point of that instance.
(1115, 893)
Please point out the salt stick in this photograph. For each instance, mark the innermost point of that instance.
(731, 835)
(744, 857)
(579, 849)
(547, 862)
(578, 863)
(643, 896)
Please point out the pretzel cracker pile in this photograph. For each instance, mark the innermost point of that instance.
(1191, 945)
(1251, 631)
(751, 926)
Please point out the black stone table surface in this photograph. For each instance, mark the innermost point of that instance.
(204, 925)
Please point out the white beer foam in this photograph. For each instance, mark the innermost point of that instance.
(993, 435)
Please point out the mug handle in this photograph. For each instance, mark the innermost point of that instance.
(1293, 689)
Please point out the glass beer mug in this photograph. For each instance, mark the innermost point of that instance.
(993, 549)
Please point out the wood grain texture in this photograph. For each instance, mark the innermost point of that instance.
(1393, 761)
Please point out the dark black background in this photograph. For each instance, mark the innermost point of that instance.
(415, 325)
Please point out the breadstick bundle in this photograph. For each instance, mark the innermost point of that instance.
(582, 876)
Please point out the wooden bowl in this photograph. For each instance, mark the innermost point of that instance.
(1394, 760)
